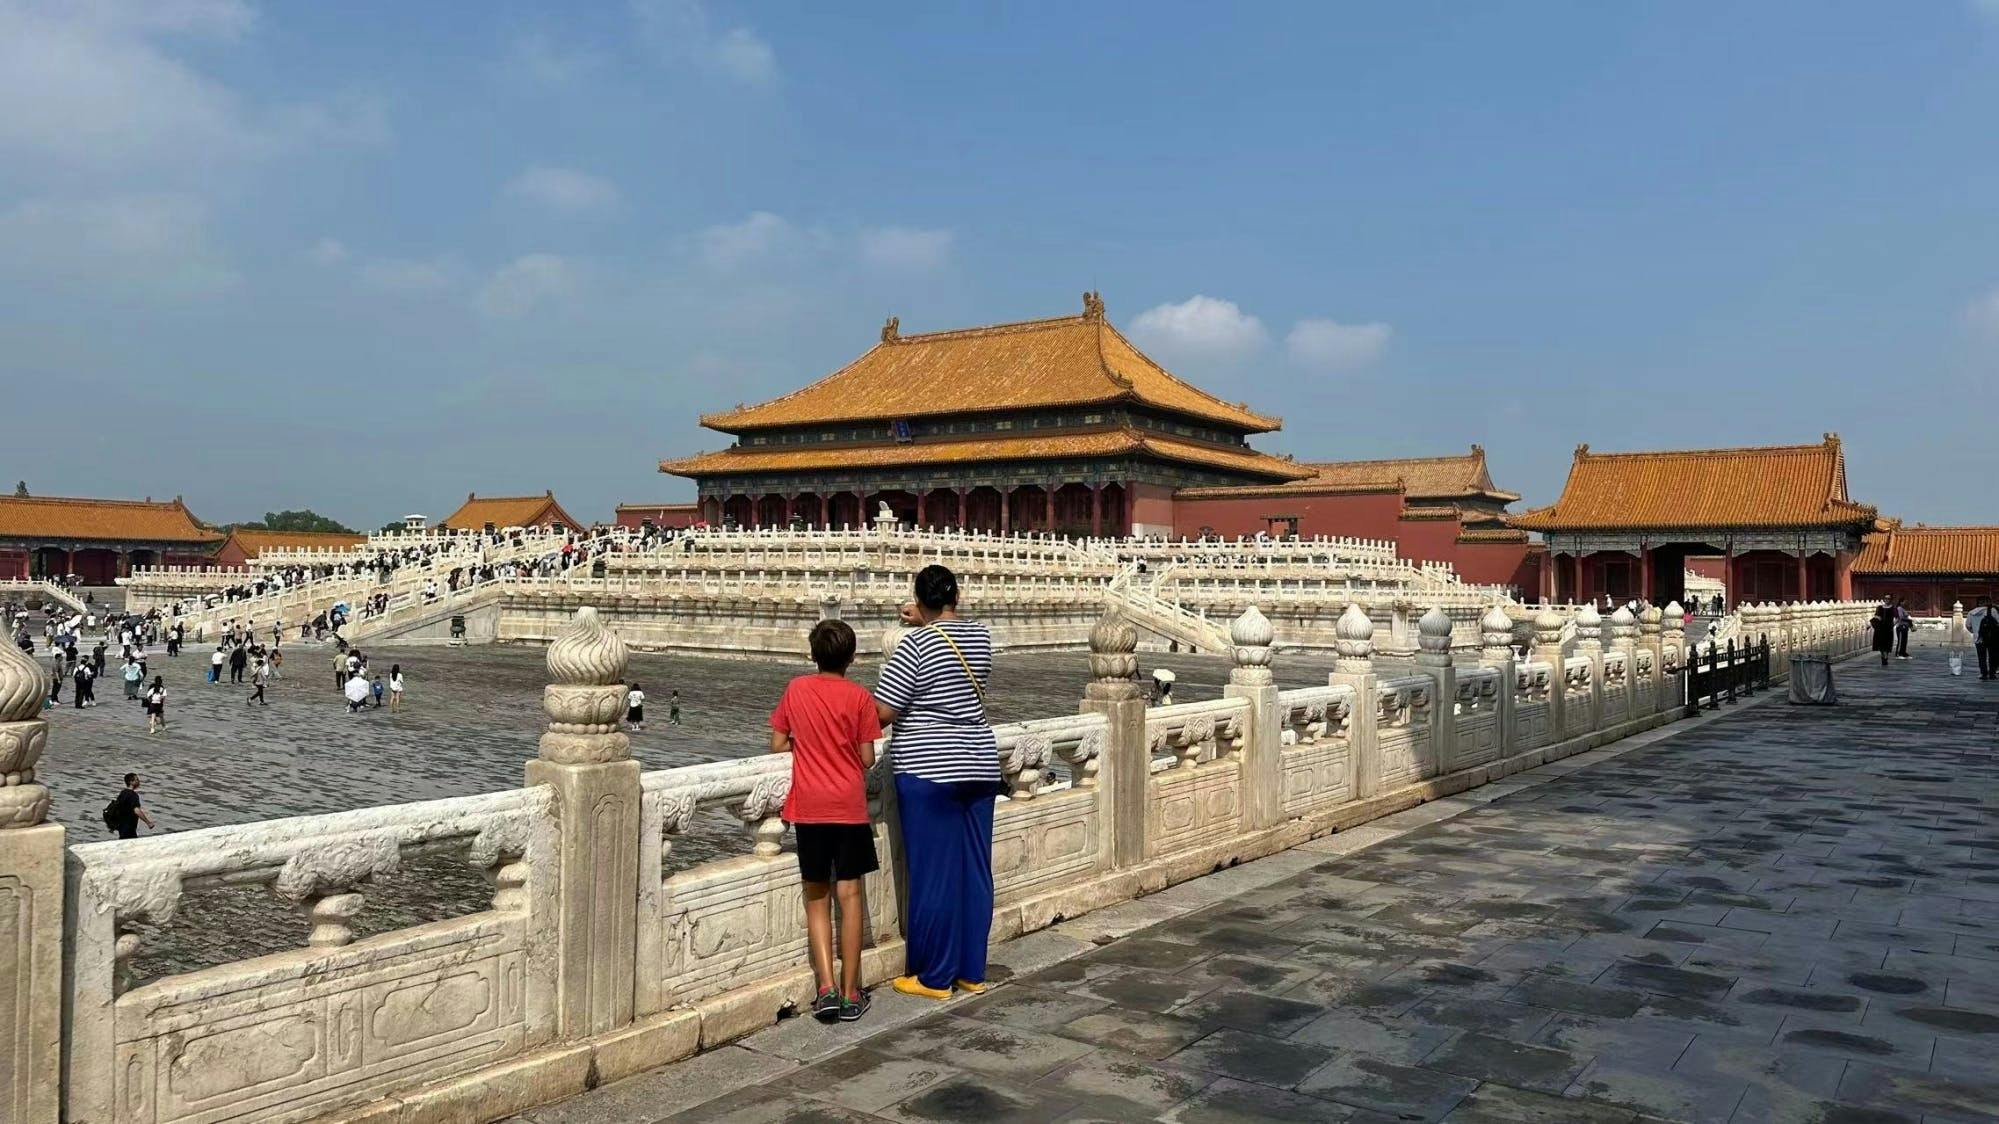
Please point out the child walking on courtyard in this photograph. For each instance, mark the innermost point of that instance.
(829, 724)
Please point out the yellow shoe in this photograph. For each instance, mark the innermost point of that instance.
(969, 987)
(910, 985)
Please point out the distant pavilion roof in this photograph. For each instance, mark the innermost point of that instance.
(508, 511)
(1100, 443)
(1063, 361)
(1918, 551)
(1772, 486)
(68, 517)
(1438, 480)
(253, 542)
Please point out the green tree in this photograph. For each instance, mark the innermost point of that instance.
(298, 521)
(21, 490)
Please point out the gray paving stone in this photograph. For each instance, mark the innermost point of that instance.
(1228, 1101)
(1497, 1104)
(1486, 1058)
(1141, 1033)
(1253, 1057)
(1029, 1008)
(982, 1047)
(1404, 1092)
(978, 1098)
(868, 1080)
(1121, 1087)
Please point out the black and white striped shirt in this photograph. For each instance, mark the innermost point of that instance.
(942, 734)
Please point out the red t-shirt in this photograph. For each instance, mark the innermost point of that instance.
(829, 719)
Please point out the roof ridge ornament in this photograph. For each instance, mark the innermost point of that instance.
(891, 332)
(1093, 306)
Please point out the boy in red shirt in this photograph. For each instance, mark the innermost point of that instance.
(829, 724)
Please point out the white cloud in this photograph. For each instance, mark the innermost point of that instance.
(1328, 345)
(94, 88)
(680, 30)
(327, 251)
(1200, 328)
(156, 244)
(409, 276)
(550, 63)
(899, 247)
(564, 189)
(743, 54)
(732, 244)
(1982, 314)
(525, 283)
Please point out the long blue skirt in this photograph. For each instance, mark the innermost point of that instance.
(947, 844)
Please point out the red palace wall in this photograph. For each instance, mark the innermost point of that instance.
(663, 516)
(1366, 515)
(1154, 505)
(1517, 564)
(1928, 597)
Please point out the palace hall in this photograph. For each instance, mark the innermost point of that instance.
(1060, 425)
(97, 540)
(1778, 517)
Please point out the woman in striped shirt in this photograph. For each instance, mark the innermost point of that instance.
(933, 690)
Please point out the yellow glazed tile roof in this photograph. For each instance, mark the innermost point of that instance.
(1064, 361)
(508, 511)
(1767, 486)
(254, 542)
(1100, 443)
(1930, 550)
(1449, 477)
(66, 517)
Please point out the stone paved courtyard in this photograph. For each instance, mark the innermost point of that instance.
(1783, 914)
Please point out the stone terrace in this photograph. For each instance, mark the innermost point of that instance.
(1784, 914)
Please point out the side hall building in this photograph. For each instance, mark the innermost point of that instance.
(1778, 517)
(99, 541)
(1933, 567)
(1063, 425)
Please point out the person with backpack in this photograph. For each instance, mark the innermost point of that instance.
(125, 812)
(1984, 625)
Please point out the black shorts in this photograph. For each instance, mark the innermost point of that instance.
(835, 852)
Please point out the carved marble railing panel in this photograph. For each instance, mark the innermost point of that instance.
(1477, 716)
(1317, 754)
(315, 1029)
(1183, 735)
(1532, 727)
(1042, 754)
(1044, 843)
(1402, 731)
(1194, 796)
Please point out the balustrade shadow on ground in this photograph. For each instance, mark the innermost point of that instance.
(599, 957)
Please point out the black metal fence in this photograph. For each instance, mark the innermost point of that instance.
(1725, 673)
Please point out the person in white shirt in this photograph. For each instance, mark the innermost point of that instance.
(635, 708)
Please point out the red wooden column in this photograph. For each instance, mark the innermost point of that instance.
(1006, 510)
(1645, 574)
(1804, 578)
(1842, 578)
(1548, 563)
(1097, 510)
(1049, 492)
(789, 499)
(1728, 595)
(921, 496)
(964, 517)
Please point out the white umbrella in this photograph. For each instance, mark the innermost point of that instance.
(1163, 675)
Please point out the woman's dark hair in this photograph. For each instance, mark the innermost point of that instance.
(832, 645)
(395, 669)
(936, 588)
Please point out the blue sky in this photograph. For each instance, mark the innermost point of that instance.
(367, 257)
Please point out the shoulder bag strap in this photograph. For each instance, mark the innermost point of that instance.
(977, 689)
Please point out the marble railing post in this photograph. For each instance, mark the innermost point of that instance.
(1125, 763)
(1496, 651)
(1263, 751)
(31, 903)
(1548, 650)
(1650, 622)
(1433, 658)
(1354, 641)
(1589, 642)
(1624, 639)
(587, 761)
